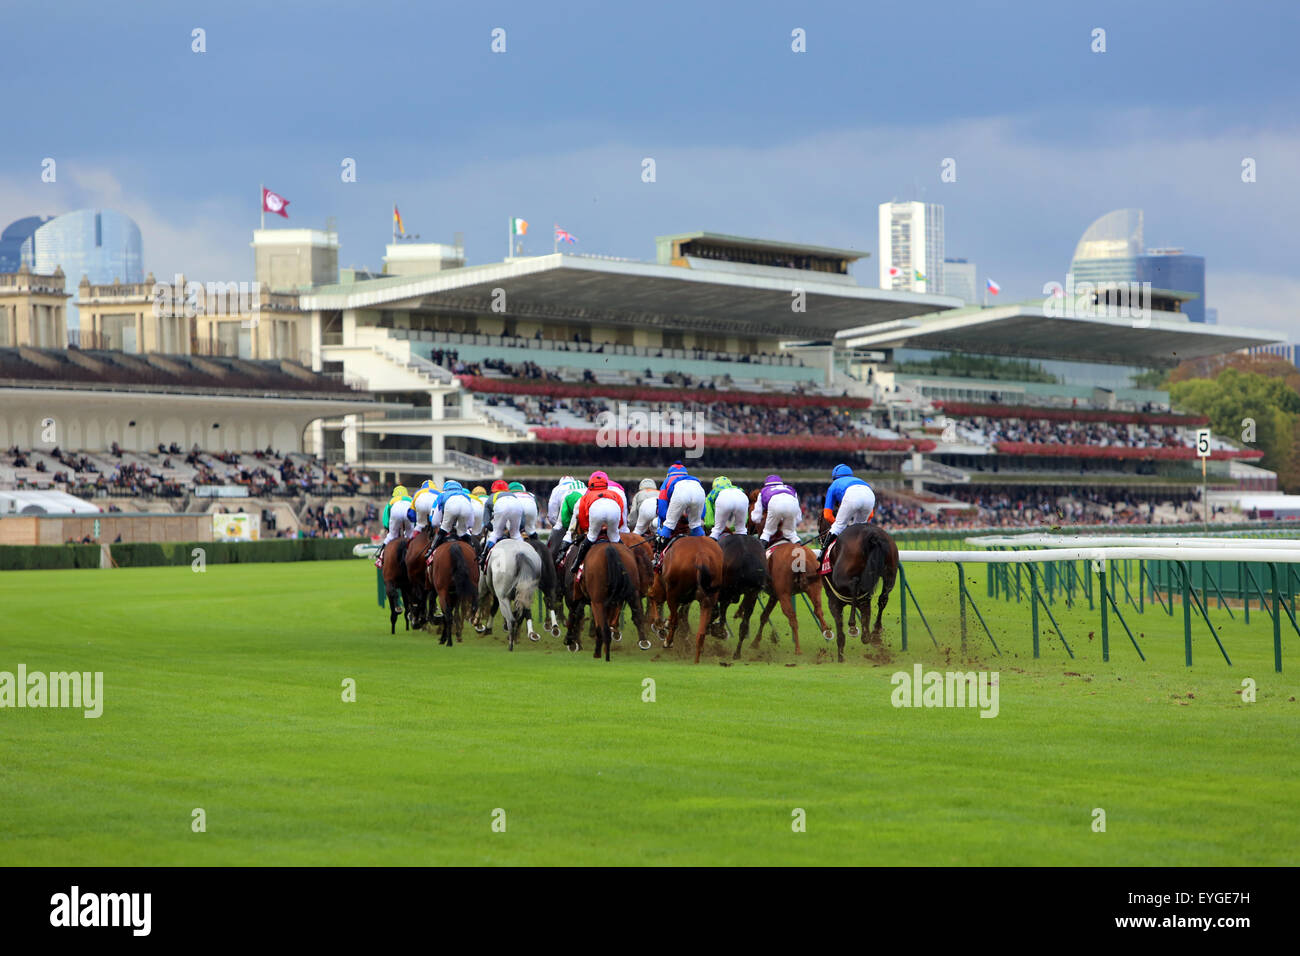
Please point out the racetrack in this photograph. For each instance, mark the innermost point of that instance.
(223, 692)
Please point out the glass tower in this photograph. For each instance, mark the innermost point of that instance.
(100, 243)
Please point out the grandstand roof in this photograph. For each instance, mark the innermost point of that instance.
(1025, 330)
(96, 368)
(622, 292)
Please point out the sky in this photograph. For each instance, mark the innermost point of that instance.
(748, 137)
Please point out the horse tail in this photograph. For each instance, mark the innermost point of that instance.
(460, 579)
(528, 572)
(619, 586)
(704, 580)
(879, 552)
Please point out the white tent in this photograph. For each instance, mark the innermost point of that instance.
(35, 502)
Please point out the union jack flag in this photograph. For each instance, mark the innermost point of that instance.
(562, 235)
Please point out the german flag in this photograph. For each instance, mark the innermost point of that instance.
(397, 221)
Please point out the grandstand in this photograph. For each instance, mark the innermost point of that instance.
(770, 351)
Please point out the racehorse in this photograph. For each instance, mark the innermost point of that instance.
(691, 570)
(453, 575)
(792, 570)
(418, 600)
(862, 556)
(608, 583)
(514, 569)
(549, 586)
(643, 552)
(396, 585)
(744, 576)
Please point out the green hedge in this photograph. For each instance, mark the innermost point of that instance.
(146, 554)
(18, 557)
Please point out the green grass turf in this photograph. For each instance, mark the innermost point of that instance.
(223, 691)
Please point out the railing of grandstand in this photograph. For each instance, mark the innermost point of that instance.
(472, 464)
(612, 348)
(499, 419)
(87, 339)
(429, 368)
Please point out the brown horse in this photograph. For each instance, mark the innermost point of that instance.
(643, 552)
(691, 571)
(453, 576)
(608, 584)
(744, 577)
(396, 585)
(863, 555)
(792, 570)
(417, 606)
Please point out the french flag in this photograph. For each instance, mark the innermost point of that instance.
(993, 286)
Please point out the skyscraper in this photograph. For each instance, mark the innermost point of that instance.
(12, 239)
(100, 243)
(1111, 250)
(959, 280)
(911, 246)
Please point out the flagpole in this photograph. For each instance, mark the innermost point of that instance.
(555, 238)
(394, 222)
(261, 202)
(510, 237)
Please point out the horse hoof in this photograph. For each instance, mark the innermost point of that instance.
(617, 635)
(575, 647)
(828, 634)
(555, 630)
(534, 636)
(852, 631)
(480, 628)
(643, 644)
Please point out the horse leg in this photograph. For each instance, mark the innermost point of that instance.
(885, 588)
(507, 612)
(706, 615)
(837, 611)
(787, 607)
(814, 593)
(672, 624)
(762, 621)
(746, 609)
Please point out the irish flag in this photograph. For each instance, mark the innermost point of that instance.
(518, 227)
(993, 286)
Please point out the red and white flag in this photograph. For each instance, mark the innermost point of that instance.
(274, 202)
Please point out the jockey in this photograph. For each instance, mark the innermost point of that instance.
(477, 502)
(728, 504)
(528, 522)
(781, 504)
(600, 509)
(849, 500)
(557, 495)
(398, 503)
(682, 494)
(423, 504)
(457, 511)
(499, 487)
(507, 516)
(568, 508)
(613, 486)
(645, 505)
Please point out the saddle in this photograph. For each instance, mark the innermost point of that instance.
(826, 557)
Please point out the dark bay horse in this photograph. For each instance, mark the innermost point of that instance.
(864, 555)
(549, 586)
(608, 584)
(417, 606)
(744, 577)
(643, 552)
(691, 571)
(792, 570)
(396, 586)
(453, 576)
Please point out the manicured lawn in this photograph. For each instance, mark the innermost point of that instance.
(223, 692)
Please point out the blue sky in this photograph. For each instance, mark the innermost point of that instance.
(748, 137)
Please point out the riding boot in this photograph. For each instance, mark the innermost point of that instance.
(483, 559)
(830, 539)
(583, 546)
(379, 557)
(438, 539)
